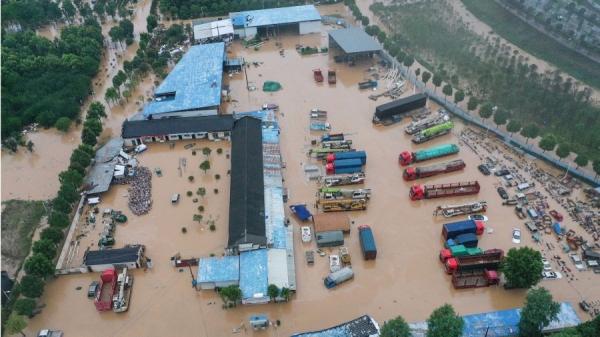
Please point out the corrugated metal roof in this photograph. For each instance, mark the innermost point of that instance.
(275, 16)
(176, 125)
(195, 81)
(253, 273)
(354, 40)
(364, 326)
(277, 268)
(219, 269)
(213, 29)
(112, 256)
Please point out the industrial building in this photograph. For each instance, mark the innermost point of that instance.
(299, 19)
(350, 44)
(102, 172)
(130, 257)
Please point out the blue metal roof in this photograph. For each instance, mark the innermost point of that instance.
(195, 81)
(253, 273)
(275, 16)
(219, 269)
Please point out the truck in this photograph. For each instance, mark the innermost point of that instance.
(341, 166)
(331, 78)
(361, 155)
(448, 211)
(333, 193)
(322, 152)
(338, 277)
(329, 239)
(489, 259)
(432, 132)
(337, 144)
(108, 283)
(50, 333)
(368, 84)
(413, 173)
(419, 192)
(453, 229)
(332, 136)
(425, 123)
(468, 240)
(458, 250)
(316, 125)
(341, 205)
(392, 112)
(406, 157)
(318, 114)
(475, 278)
(367, 242)
(123, 295)
(343, 179)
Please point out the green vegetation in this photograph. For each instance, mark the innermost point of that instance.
(19, 220)
(25, 306)
(538, 312)
(32, 286)
(231, 295)
(272, 291)
(585, 329)
(522, 267)
(205, 166)
(15, 324)
(534, 42)
(38, 265)
(396, 327)
(444, 322)
(30, 13)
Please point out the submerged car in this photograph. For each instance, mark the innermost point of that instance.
(92, 289)
(484, 169)
(502, 192)
(516, 235)
(551, 275)
(478, 217)
(547, 266)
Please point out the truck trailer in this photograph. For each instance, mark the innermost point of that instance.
(419, 192)
(454, 229)
(432, 132)
(336, 193)
(338, 277)
(367, 242)
(490, 259)
(391, 112)
(361, 155)
(448, 211)
(108, 284)
(426, 123)
(413, 173)
(475, 278)
(342, 166)
(406, 157)
(468, 240)
(342, 205)
(343, 179)
(458, 250)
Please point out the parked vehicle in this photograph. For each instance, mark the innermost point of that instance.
(330, 239)
(332, 137)
(501, 172)
(345, 255)
(301, 211)
(360, 155)
(306, 234)
(346, 179)
(551, 275)
(140, 148)
(502, 193)
(321, 153)
(413, 173)
(468, 240)
(339, 277)
(108, 283)
(337, 144)
(419, 192)
(524, 186)
(318, 75)
(175, 198)
(458, 250)
(341, 166)
(318, 114)
(92, 289)
(334, 263)
(106, 241)
(516, 235)
(432, 132)
(406, 157)
(532, 213)
(490, 259)
(367, 242)
(557, 216)
(310, 257)
(122, 297)
(577, 261)
(454, 229)
(50, 333)
(463, 209)
(520, 213)
(331, 78)
(333, 193)
(270, 106)
(426, 123)
(547, 266)
(319, 126)
(341, 205)
(478, 217)
(368, 84)
(484, 169)
(393, 111)
(475, 278)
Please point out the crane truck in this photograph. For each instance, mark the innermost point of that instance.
(419, 192)
(406, 157)
(413, 173)
(432, 132)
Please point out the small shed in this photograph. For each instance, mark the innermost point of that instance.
(218, 272)
(327, 222)
(130, 257)
(330, 239)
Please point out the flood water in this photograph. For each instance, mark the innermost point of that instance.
(406, 279)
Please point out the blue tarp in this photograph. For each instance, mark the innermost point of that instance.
(274, 16)
(253, 273)
(301, 211)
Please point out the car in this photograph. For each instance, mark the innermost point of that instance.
(334, 263)
(501, 173)
(577, 262)
(551, 275)
(92, 289)
(306, 234)
(502, 192)
(478, 217)
(516, 235)
(140, 148)
(547, 266)
(557, 216)
(175, 198)
(484, 169)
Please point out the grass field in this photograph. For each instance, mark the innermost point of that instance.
(538, 44)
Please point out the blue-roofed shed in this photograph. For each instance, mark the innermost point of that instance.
(194, 83)
(218, 272)
(302, 19)
(254, 276)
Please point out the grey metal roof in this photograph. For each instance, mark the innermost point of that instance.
(275, 16)
(112, 256)
(109, 150)
(354, 40)
(100, 175)
(176, 125)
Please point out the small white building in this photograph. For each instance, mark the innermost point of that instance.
(301, 19)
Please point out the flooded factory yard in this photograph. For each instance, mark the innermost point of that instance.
(407, 277)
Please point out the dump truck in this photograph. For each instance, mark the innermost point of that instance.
(475, 278)
(344, 179)
(342, 205)
(449, 211)
(490, 259)
(367, 242)
(334, 193)
(340, 276)
(392, 112)
(468, 240)
(361, 155)
(453, 229)
(458, 250)
(341, 166)
(432, 132)
(108, 283)
(419, 192)
(123, 294)
(331, 78)
(406, 157)
(425, 123)
(413, 173)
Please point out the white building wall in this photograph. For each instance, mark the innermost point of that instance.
(250, 32)
(277, 268)
(308, 27)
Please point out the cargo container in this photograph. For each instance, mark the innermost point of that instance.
(367, 242)
(458, 250)
(344, 166)
(395, 109)
(406, 157)
(344, 170)
(362, 155)
(475, 278)
(453, 229)
(419, 192)
(432, 132)
(412, 173)
(468, 240)
(338, 277)
(490, 259)
(330, 239)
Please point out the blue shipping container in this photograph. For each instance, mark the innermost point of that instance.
(343, 170)
(362, 155)
(367, 242)
(346, 163)
(453, 229)
(468, 240)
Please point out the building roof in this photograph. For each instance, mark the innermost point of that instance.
(212, 29)
(100, 175)
(109, 150)
(326, 222)
(176, 125)
(113, 256)
(194, 83)
(363, 326)
(253, 273)
(278, 268)
(275, 16)
(354, 40)
(246, 202)
(219, 269)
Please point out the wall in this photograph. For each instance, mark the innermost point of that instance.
(310, 27)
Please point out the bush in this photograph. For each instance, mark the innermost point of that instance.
(212, 227)
(32, 286)
(219, 151)
(200, 208)
(197, 217)
(183, 230)
(53, 234)
(217, 176)
(216, 190)
(189, 193)
(191, 178)
(25, 306)
(195, 200)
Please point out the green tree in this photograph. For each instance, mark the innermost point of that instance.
(581, 160)
(396, 327)
(285, 293)
(538, 312)
(80, 157)
(45, 247)
(596, 166)
(97, 110)
(93, 125)
(116, 34)
(111, 95)
(530, 131)
(364, 20)
(151, 23)
(206, 151)
(25, 306)
(31, 286)
(486, 110)
(63, 124)
(88, 137)
(61, 205)
(447, 90)
(408, 61)
(70, 177)
(38, 265)
(15, 324)
(437, 81)
(567, 333)
(548, 142)
(500, 117)
(201, 191)
(425, 77)
(513, 126)
(68, 9)
(563, 150)
(205, 166)
(444, 322)
(58, 219)
(472, 103)
(68, 192)
(53, 234)
(459, 96)
(231, 294)
(522, 267)
(272, 291)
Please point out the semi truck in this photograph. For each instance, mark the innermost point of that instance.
(468, 240)
(413, 173)
(342, 166)
(338, 277)
(454, 229)
(419, 192)
(343, 179)
(458, 250)
(406, 157)
(343, 205)
(367, 242)
(361, 155)
(334, 193)
(337, 144)
(392, 112)
(449, 211)
(490, 259)
(432, 132)
(475, 278)
(425, 123)
(322, 152)
(108, 283)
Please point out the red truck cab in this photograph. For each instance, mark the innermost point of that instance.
(405, 158)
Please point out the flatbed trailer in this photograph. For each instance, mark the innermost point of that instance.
(419, 192)
(425, 123)
(343, 179)
(413, 173)
(343, 205)
(328, 193)
(448, 211)
(490, 259)
(475, 278)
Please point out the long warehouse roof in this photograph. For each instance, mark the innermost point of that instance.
(275, 16)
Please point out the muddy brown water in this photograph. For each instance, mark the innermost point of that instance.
(406, 279)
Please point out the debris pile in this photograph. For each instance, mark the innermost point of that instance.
(140, 191)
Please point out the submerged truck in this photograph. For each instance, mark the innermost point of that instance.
(367, 242)
(322, 152)
(419, 192)
(425, 123)
(468, 240)
(342, 205)
(406, 157)
(108, 283)
(432, 132)
(490, 259)
(336, 278)
(343, 179)
(413, 173)
(392, 112)
(335, 193)
(360, 155)
(454, 229)
(123, 294)
(342, 166)
(458, 250)
(475, 278)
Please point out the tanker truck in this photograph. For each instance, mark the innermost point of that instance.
(412, 173)
(419, 192)
(490, 259)
(432, 132)
(406, 157)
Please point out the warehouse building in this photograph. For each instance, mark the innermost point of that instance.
(298, 19)
(350, 44)
(130, 257)
(220, 30)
